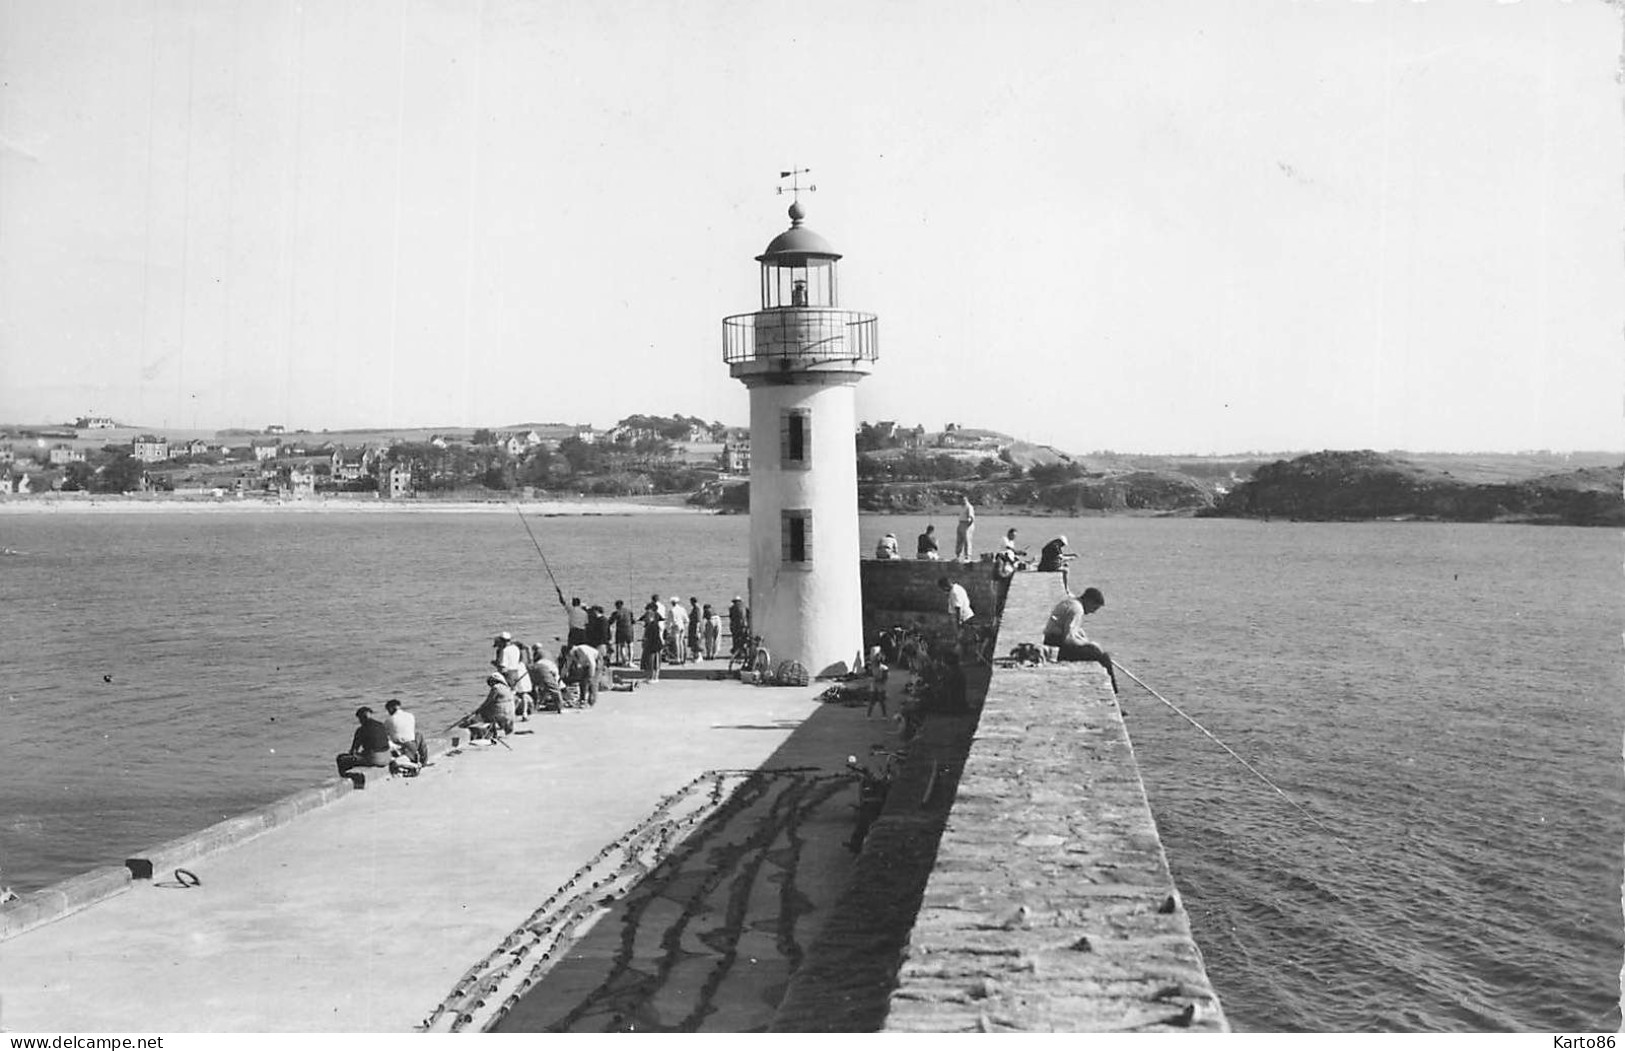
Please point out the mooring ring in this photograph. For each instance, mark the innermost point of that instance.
(187, 878)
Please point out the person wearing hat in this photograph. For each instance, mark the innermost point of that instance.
(510, 661)
(369, 746)
(1053, 558)
(497, 710)
(886, 550)
(654, 639)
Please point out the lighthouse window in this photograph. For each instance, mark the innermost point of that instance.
(796, 531)
(795, 439)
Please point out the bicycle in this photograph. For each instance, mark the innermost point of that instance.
(873, 788)
(753, 656)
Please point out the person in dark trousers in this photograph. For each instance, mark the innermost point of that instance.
(623, 621)
(403, 733)
(1064, 631)
(369, 746)
(739, 627)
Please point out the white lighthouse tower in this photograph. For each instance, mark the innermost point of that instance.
(801, 357)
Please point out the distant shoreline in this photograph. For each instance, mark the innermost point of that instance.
(106, 504)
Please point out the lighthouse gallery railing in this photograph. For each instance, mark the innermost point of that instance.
(801, 334)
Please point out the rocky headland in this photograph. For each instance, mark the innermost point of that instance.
(1329, 486)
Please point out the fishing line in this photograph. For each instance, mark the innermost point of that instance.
(1254, 770)
(555, 580)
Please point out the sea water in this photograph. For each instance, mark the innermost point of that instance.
(1435, 706)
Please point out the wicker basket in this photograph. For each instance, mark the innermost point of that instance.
(793, 673)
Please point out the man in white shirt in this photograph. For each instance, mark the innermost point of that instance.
(958, 601)
(678, 619)
(403, 733)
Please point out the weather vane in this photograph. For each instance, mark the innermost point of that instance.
(794, 175)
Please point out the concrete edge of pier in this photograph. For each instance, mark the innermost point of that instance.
(66, 897)
(1016, 881)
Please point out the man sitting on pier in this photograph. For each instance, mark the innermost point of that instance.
(369, 746)
(403, 733)
(497, 710)
(1064, 632)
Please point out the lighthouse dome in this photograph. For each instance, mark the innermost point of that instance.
(798, 246)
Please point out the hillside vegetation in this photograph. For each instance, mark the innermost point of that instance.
(1351, 486)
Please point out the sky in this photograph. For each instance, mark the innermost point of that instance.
(1199, 227)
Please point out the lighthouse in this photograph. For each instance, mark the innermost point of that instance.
(801, 357)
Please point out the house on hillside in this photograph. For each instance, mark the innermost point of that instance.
(62, 455)
(954, 436)
(94, 423)
(196, 447)
(149, 449)
(585, 434)
(17, 483)
(276, 428)
(438, 441)
(265, 448)
(297, 482)
(349, 467)
(736, 455)
(396, 483)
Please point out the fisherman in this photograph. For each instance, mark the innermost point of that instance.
(369, 746)
(497, 710)
(925, 549)
(886, 550)
(1064, 633)
(1053, 558)
(510, 662)
(1007, 558)
(958, 602)
(580, 665)
(544, 674)
(403, 733)
(576, 616)
(967, 527)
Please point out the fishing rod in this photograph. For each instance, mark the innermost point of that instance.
(558, 590)
(1254, 770)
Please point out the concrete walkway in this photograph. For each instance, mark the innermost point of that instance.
(361, 916)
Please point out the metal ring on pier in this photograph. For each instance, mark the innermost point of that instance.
(187, 878)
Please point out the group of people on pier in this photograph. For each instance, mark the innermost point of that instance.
(526, 679)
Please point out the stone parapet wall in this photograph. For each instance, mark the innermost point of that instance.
(904, 592)
(1050, 906)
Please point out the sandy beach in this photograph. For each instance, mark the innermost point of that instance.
(85, 503)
